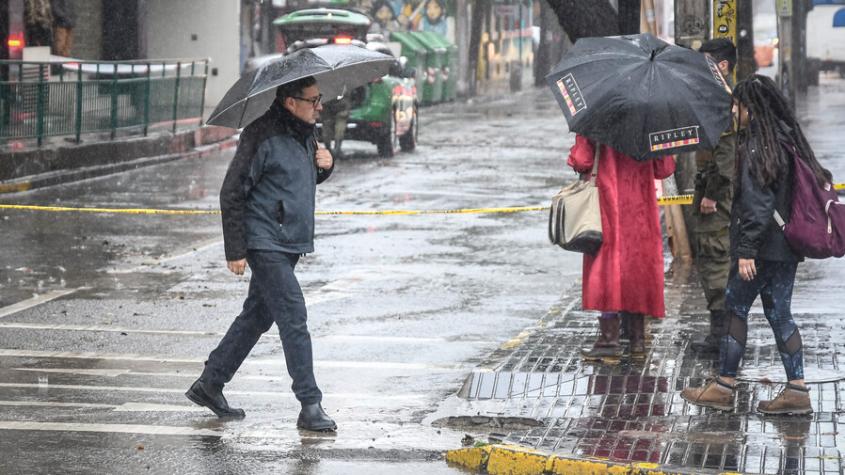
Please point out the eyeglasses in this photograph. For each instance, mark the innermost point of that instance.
(315, 101)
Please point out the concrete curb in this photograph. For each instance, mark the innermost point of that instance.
(59, 162)
(71, 175)
(516, 460)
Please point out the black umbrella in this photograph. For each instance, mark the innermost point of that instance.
(641, 95)
(337, 68)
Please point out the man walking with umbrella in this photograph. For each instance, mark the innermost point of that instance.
(268, 209)
(267, 201)
(712, 209)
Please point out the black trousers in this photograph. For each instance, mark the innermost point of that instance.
(274, 296)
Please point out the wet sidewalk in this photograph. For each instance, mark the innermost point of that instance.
(540, 394)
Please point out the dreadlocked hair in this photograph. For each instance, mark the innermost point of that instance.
(767, 108)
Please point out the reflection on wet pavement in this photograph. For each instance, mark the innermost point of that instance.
(629, 410)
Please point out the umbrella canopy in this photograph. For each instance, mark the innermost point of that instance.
(642, 96)
(337, 68)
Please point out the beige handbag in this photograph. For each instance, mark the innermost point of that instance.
(575, 216)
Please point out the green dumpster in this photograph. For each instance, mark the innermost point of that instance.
(449, 71)
(415, 52)
(432, 90)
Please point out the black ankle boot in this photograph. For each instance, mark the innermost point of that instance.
(211, 396)
(314, 418)
(637, 325)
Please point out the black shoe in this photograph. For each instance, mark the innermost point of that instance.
(314, 418)
(708, 344)
(211, 396)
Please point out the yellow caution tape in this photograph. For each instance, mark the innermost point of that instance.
(675, 200)
(63, 209)
(664, 201)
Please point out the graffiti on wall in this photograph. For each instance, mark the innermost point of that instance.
(410, 15)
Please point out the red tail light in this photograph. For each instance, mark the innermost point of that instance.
(15, 41)
(343, 40)
(376, 125)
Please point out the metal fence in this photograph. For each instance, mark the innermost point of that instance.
(39, 99)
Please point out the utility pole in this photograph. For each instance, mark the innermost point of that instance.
(732, 19)
(746, 65)
(542, 58)
(629, 17)
(463, 28)
(480, 11)
(786, 50)
(799, 44)
(692, 29)
(692, 23)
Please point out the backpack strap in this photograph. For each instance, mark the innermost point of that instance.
(827, 212)
(779, 219)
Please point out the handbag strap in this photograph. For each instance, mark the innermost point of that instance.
(595, 172)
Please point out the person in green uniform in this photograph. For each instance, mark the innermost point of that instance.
(712, 210)
(334, 118)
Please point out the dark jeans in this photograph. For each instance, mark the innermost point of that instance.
(274, 296)
(774, 283)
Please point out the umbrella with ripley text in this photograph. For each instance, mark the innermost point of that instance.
(337, 69)
(642, 96)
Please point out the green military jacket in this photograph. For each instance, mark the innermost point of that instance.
(714, 180)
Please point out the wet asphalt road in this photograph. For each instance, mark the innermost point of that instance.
(105, 319)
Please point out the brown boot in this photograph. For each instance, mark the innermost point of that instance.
(793, 400)
(716, 394)
(607, 343)
(637, 325)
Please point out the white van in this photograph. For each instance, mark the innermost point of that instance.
(826, 35)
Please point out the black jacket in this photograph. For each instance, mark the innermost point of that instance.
(754, 232)
(268, 195)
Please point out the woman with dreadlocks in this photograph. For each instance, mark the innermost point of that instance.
(762, 262)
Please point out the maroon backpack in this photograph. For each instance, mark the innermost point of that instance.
(816, 227)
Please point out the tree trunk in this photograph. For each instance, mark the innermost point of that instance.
(480, 11)
(629, 16)
(584, 18)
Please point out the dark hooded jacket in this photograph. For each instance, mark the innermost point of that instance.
(754, 232)
(268, 195)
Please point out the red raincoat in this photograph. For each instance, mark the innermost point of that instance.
(626, 274)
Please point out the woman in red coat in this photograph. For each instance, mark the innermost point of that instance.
(626, 274)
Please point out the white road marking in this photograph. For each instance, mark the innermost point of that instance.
(274, 394)
(108, 428)
(113, 373)
(223, 433)
(150, 407)
(125, 407)
(270, 335)
(108, 373)
(106, 329)
(159, 430)
(279, 361)
(35, 301)
(56, 404)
